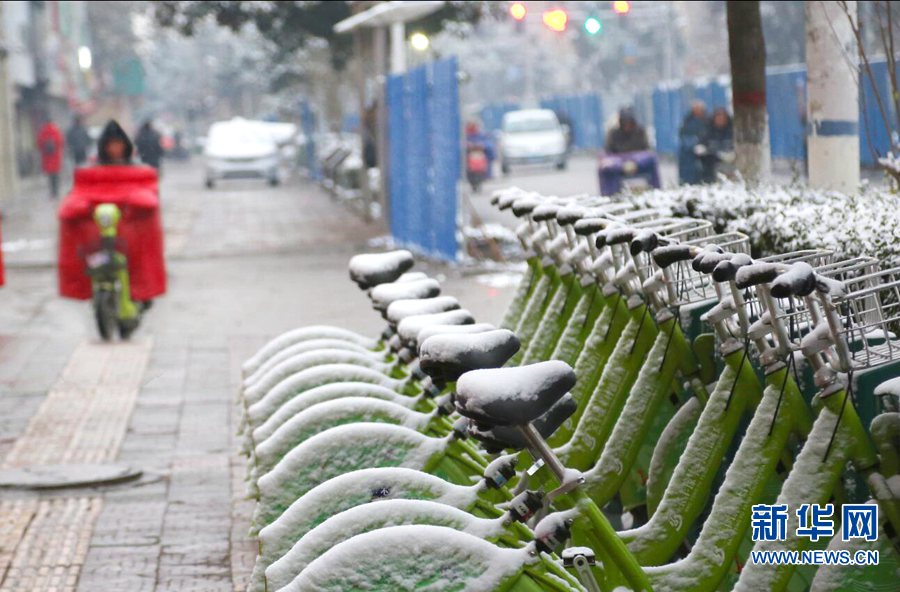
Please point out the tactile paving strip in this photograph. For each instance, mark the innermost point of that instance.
(43, 543)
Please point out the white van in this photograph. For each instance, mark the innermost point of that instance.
(532, 136)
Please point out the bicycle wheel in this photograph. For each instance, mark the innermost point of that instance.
(127, 327)
(105, 313)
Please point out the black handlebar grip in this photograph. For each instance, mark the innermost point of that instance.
(615, 236)
(706, 261)
(495, 199)
(544, 212)
(644, 242)
(524, 206)
(798, 280)
(588, 226)
(507, 200)
(725, 271)
(755, 274)
(669, 254)
(569, 215)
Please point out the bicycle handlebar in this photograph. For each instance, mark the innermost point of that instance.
(756, 273)
(615, 236)
(524, 206)
(644, 242)
(725, 271)
(670, 254)
(798, 280)
(588, 226)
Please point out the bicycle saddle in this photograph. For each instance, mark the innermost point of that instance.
(400, 309)
(447, 357)
(432, 330)
(408, 329)
(370, 269)
(499, 438)
(384, 294)
(513, 396)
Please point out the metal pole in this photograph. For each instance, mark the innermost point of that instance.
(364, 125)
(833, 96)
(7, 148)
(381, 125)
(398, 48)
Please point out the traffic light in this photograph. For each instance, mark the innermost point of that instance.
(518, 11)
(592, 25)
(621, 6)
(556, 19)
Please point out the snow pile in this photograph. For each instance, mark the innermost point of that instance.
(788, 218)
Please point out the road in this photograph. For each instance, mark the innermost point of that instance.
(580, 177)
(245, 262)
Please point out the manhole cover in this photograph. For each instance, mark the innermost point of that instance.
(60, 476)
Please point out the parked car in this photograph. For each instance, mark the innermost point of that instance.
(532, 136)
(241, 149)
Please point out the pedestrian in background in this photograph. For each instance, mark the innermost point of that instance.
(719, 142)
(78, 141)
(149, 146)
(693, 130)
(50, 143)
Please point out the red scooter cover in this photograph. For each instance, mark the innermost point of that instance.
(135, 190)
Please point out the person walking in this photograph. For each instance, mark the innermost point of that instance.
(149, 146)
(78, 141)
(50, 142)
(690, 136)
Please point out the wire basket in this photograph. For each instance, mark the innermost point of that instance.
(870, 317)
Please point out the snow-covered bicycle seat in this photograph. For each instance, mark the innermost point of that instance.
(499, 438)
(513, 396)
(370, 269)
(448, 356)
(408, 329)
(384, 294)
(400, 309)
(432, 330)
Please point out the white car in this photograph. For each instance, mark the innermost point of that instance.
(241, 149)
(532, 136)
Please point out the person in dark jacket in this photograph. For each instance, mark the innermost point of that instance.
(693, 131)
(718, 142)
(628, 136)
(114, 146)
(149, 147)
(78, 141)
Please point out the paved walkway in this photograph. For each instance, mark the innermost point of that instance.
(246, 262)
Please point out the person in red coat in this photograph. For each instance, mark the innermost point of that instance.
(50, 143)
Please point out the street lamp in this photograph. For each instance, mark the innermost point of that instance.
(419, 41)
(84, 58)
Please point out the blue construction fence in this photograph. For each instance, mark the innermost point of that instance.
(786, 105)
(424, 155)
(583, 113)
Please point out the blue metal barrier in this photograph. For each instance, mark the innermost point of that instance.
(584, 115)
(786, 106)
(424, 138)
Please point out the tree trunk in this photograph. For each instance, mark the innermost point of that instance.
(747, 50)
(833, 95)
